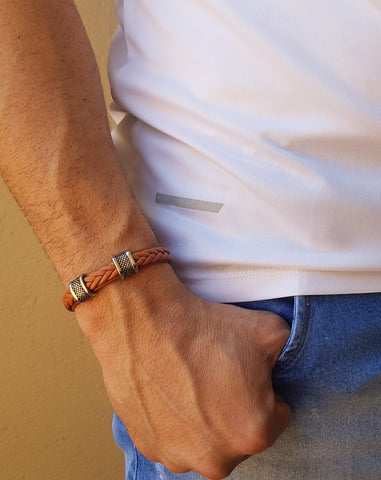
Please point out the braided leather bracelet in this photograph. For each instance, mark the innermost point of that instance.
(122, 266)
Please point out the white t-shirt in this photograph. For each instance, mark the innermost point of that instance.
(257, 140)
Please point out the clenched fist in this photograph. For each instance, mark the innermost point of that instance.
(191, 380)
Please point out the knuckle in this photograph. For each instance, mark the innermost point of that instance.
(175, 468)
(173, 459)
(264, 439)
(215, 472)
(258, 436)
(217, 467)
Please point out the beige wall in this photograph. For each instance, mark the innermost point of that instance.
(54, 415)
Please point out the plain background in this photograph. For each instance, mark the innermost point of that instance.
(55, 419)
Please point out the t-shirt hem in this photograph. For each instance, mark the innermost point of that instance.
(266, 284)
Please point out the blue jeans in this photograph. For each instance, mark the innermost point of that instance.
(330, 374)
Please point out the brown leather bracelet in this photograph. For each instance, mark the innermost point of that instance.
(122, 266)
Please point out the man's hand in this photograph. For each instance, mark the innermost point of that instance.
(191, 380)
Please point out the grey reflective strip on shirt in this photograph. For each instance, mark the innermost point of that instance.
(190, 203)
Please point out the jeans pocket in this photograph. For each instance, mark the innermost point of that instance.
(295, 343)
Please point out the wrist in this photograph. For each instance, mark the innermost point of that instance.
(146, 302)
(90, 244)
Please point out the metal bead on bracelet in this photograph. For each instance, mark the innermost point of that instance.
(125, 264)
(122, 266)
(79, 290)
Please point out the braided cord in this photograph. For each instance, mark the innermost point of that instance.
(107, 274)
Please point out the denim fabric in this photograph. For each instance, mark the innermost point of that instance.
(330, 374)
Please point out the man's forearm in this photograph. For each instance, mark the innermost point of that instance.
(56, 153)
(190, 380)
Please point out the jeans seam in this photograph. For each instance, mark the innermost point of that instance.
(136, 460)
(301, 342)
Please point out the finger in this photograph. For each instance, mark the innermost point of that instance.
(275, 422)
(282, 414)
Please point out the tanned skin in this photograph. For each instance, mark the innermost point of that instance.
(190, 379)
